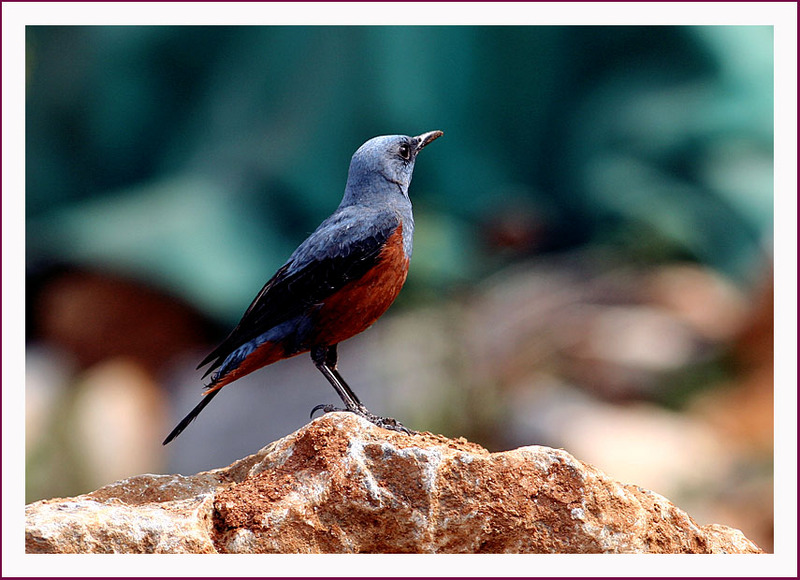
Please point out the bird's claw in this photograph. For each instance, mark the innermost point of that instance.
(384, 422)
(390, 424)
(325, 409)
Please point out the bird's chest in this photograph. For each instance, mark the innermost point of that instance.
(359, 303)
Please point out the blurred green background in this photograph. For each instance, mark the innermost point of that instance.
(592, 264)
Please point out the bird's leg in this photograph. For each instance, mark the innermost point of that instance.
(331, 358)
(325, 359)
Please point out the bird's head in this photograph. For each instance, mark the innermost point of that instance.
(385, 163)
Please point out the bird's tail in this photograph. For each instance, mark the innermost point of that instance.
(191, 416)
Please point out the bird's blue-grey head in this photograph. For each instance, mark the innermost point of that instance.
(383, 167)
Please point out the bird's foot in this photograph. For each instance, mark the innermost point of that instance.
(324, 409)
(361, 411)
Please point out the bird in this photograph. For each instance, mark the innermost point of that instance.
(336, 284)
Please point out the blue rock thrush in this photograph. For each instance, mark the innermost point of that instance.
(336, 284)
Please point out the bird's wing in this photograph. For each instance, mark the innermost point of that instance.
(342, 249)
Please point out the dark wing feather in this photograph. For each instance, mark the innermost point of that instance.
(342, 249)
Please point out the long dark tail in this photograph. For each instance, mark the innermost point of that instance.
(191, 416)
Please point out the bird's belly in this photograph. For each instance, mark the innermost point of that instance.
(358, 304)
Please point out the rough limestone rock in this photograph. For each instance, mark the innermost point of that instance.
(341, 484)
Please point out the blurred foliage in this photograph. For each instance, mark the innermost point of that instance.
(196, 158)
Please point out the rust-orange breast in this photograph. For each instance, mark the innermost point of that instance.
(358, 304)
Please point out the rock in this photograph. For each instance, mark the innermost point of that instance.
(340, 484)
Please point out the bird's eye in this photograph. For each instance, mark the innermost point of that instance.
(405, 151)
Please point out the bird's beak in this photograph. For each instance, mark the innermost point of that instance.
(426, 138)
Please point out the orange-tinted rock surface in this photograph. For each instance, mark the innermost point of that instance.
(340, 484)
